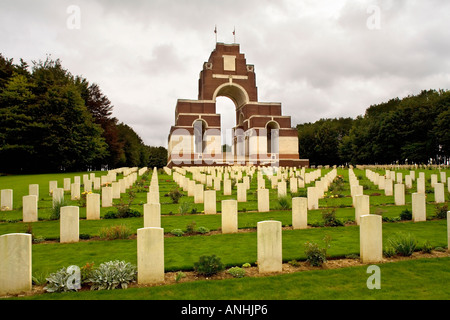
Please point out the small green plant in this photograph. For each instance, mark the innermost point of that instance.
(427, 247)
(179, 275)
(58, 281)
(236, 272)
(202, 230)
(330, 220)
(86, 271)
(389, 251)
(115, 232)
(406, 215)
(294, 263)
(56, 209)
(315, 255)
(177, 232)
(112, 275)
(191, 227)
(404, 245)
(175, 195)
(441, 211)
(284, 203)
(184, 207)
(208, 265)
(246, 265)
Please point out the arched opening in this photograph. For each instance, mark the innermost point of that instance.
(200, 127)
(226, 108)
(272, 129)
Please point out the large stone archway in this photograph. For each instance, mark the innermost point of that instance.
(227, 74)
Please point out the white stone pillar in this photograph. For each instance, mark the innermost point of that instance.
(107, 197)
(299, 213)
(6, 200)
(313, 200)
(269, 244)
(209, 198)
(152, 215)
(229, 216)
(75, 191)
(371, 238)
(198, 193)
(33, 190)
(241, 192)
(263, 200)
(15, 263)
(30, 208)
(69, 224)
(399, 194)
(150, 255)
(439, 194)
(282, 189)
(419, 207)
(362, 207)
(93, 206)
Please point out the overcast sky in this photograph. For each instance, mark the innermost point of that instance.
(320, 59)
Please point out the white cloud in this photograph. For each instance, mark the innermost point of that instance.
(317, 58)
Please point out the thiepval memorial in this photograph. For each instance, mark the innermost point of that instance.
(263, 136)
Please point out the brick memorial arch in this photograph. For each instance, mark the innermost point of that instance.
(262, 135)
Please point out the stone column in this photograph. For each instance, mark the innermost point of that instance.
(299, 213)
(227, 187)
(66, 184)
(93, 206)
(107, 197)
(209, 198)
(150, 255)
(152, 215)
(116, 189)
(419, 207)
(229, 216)
(281, 189)
(263, 200)
(198, 193)
(362, 207)
(269, 244)
(439, 195)
(241, 192)
(313, 200)
(399, 194)
(6, 200)
(52, 185)
(75, 191)
(69, 224)
(371, 238)
(420, 185)
(15, 263)
(30, 208)
(33, 190)
(58, 196)
(388, 187)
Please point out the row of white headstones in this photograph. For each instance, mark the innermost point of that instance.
(15, 249)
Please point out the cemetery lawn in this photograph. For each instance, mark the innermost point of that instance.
(423, 279)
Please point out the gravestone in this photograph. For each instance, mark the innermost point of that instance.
(419, 208)
(6, 200)
(15, 263)
(371, 238)
(150, 255)
(69, 224)
(152, 215)
(269, 244)
(93, 206)
(263, 200)
(209, 200)
(362, 207)
(299, 213)
(30, 208)
(229, 216)
(399, 194)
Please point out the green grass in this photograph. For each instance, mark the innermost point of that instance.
(425, 279)
(235, 249)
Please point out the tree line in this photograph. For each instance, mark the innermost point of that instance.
(412, 130)
(51, 120)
